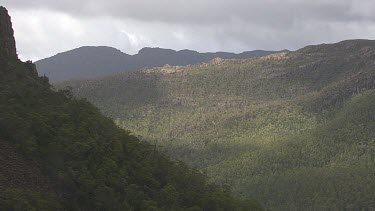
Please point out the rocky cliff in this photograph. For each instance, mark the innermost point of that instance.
(7, 42)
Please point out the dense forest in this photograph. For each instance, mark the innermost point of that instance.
(61, 153)
(292, 130)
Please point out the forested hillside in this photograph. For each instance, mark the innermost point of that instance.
(294, 130)
(61, 153)
(90, 61)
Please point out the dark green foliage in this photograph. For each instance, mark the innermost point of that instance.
(19, 200)
(293, 130)
(92, 164)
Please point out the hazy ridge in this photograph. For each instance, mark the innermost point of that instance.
(89, 61)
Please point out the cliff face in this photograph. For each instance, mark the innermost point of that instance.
(8, 51)
(7, 42)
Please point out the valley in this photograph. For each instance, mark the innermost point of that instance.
(292, 130)
(62, 153)
(94, 128)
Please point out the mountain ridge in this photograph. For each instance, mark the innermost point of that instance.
(93, 61)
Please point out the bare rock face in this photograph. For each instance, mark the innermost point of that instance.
(216, 61)
(7, 42)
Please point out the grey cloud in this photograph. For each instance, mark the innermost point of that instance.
(203, 25)
(270, 12)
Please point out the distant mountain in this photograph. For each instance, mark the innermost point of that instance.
(294, 130)
(89, 61)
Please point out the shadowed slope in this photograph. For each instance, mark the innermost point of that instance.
(55, 143)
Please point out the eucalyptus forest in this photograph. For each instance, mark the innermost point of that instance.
(259, 130)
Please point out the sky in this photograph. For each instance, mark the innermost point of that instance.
(44, 28)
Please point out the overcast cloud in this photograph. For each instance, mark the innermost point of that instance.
(46, 27)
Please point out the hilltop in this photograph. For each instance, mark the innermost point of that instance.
(90, 61)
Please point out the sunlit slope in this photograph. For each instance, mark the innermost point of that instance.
(295, 130)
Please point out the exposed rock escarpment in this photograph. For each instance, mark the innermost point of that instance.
(7, 41)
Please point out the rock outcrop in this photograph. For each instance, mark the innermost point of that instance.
(7, 41)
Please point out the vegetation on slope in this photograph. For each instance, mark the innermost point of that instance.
(90, 163)
(93, 163)
(294, 130)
